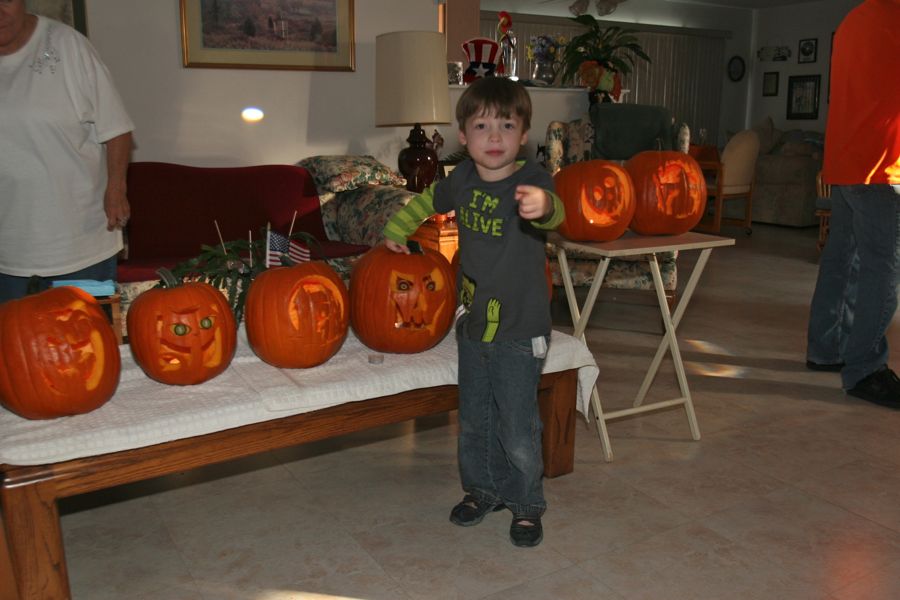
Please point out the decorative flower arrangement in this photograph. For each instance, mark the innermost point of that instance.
(544, 48)
(595, 76)
(611, 49)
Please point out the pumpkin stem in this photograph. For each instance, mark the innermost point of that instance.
(168, 279)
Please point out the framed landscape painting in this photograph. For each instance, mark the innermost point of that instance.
(315, 35)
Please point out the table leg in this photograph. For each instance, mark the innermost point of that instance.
(676, 319)
(580, 320)
(31, 519)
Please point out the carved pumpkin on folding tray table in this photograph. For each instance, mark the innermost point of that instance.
(670, 191)
(182, 335)
(599, 199)
(297, 317)
(402, 303)
(58, 354)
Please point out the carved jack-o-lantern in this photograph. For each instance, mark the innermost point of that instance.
(599, 199)
(182, 335)
(401, 303)
(297, 317)
(58, 354)
(670, 191)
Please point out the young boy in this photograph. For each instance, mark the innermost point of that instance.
(502, 209)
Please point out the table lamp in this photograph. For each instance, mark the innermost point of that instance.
(411, 89)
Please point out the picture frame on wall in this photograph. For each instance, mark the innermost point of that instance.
(70, 12)
(803, 96)
(807, 50)
(770, 83)
(243, 34)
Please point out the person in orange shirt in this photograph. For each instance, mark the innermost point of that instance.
(856, 291)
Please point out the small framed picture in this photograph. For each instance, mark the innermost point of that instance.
(770, 83)
(803, 96)
(806, 53)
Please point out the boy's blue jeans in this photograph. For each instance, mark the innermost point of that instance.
(856, 291)
(500, 459)
(13, 287)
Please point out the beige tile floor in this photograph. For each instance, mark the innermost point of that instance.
(793, 492)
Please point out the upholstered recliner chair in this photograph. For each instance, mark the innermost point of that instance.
(733, 180)
(615, 132)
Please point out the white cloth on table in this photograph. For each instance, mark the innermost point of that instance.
(144, 412)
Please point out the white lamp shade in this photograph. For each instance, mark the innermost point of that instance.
(411, 78)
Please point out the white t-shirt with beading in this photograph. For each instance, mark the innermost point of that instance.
(57, 108)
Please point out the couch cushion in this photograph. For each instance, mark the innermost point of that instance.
(338, 173)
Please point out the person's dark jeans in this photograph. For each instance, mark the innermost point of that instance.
(856, 291)
(12, 287)
(500, 458)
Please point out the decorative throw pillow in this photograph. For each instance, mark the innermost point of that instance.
(339, 173)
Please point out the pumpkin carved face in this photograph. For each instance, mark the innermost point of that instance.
(182, 335)
(59, 354)
(297, 317)
(598, 196)
(401, 302)
(670, 191)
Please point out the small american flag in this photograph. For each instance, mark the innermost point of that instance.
(279, 245)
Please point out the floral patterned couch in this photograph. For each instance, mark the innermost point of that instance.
(358, 195)
(784, 188)
(571, 142)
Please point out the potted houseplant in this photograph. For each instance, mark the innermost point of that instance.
(600, 56)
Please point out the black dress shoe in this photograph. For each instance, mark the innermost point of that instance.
(526, 532)
(814, 366)
(472, 511)
(881, 387)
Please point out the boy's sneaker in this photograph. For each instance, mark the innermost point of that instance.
(526, 532)
(881, 387)
(471, 511)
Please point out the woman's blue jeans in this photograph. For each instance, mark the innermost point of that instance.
(856, 292)
(500, 459)
(12, 287)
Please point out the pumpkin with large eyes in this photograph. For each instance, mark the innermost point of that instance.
(297, 317)
(670, 191)
(182, 335)
(58, 354)
(598, 196)
(401, 303)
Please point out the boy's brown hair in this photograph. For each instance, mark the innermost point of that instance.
(497, 96)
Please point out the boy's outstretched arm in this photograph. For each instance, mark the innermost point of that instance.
(542, 207)
(406, 220)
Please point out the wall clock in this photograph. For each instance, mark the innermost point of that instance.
(736, 68)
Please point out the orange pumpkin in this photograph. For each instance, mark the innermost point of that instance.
(182, 335)
(670, 191)
(401, 303)
(599, 199)
(296, 317)
(58, 354)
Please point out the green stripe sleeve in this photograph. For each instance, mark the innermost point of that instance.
(557, 214)
(406, 220)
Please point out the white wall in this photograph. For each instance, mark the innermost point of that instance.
(737, 21)
(192, 116)
(786, 26)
